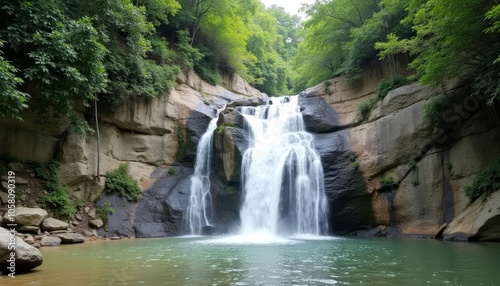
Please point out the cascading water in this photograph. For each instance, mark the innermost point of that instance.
(200, 200)
(282, 176)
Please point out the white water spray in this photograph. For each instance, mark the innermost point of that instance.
(282, 175)
(200, 200)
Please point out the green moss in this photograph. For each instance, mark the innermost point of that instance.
(119, 181)
(486, 182)
(183, 143)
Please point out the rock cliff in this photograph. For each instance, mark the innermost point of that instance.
(396, 170)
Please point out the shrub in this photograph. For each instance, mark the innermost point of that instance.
(365, 108)
(58, 197)
(434, 109)
(355, 165)
(120, 182)
(386, 85)
(387, 181)
(171, 171)
(103, 211)
(486, 182)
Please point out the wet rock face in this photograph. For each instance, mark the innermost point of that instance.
(161, 210)
(349, 202)
(118, 223)
(318, 116)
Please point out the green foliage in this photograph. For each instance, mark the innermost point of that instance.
(103, 211)
(119, 181)
(365, 108)
(80, 203)
(12, 101)
(352, 157)
(386, 85)
(355, 165)
(485, 183)
(58, 197)
(435, 108)
(82, 128)
(451, 39)
(412, 164)
(220, 129)
(171, 171)
(339, 38)
(388, 181)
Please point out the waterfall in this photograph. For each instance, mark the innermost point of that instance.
(200, 200)
(282, 176)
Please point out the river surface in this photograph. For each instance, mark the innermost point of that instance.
(291, 261)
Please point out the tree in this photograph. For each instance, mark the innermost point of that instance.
(452, 39)
(328, 40)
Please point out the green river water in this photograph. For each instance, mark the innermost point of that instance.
(294, 261)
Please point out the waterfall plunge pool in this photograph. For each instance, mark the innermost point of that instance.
(285, 261)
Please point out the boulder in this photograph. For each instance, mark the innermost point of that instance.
(318, 116)
(28, 216)
(480, 221)
(28, 229)
(27, 256)
(96, 223)
(255, 101)
(51, 224)
(3, 197)
(16, 167)
(50, 241)
(70, 237)
(21, 181)
(230, 144)
(29, 239)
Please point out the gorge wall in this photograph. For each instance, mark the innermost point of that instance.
(396, 170)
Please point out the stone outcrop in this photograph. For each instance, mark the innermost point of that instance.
(480, 221)
(27, 257)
